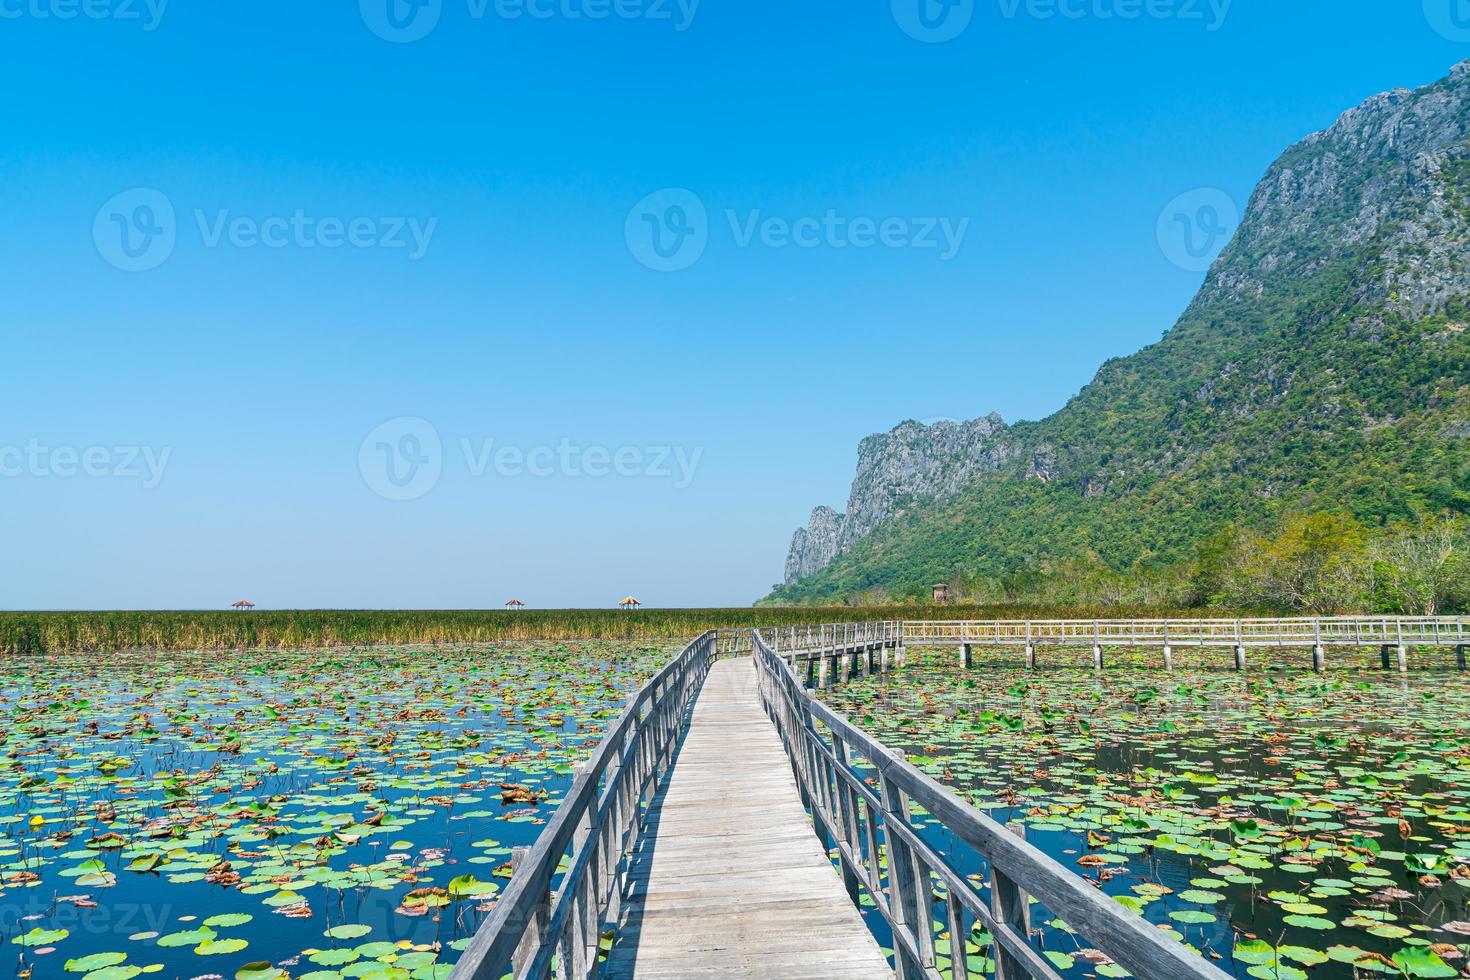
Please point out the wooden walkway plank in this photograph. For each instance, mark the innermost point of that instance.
(729, 878)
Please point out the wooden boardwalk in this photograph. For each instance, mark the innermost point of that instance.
(728, 878)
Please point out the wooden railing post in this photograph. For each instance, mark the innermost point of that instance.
(908, 908)
(535, 932)
(1012, 907)
(846, 817)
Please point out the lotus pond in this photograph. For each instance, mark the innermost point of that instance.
(318, 814)
(1286, 824)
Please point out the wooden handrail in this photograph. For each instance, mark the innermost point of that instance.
(594, 827)
(1290, 631)
(871, 831)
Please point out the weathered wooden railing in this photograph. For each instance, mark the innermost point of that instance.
(831, 636)
(533, 933)
(813, 638)
(1303, 632)
(872, 831)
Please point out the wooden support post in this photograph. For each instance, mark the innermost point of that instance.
(1240, 658)
(823, 676)
(1030, 657)
(1168, 657)
(581, 941)
(1010, 905)
(905, 906)
(846, 816)
(1097, 657)
(1403, 659)
(883, 660)
(967, 659)
(1319, 659)
(1461, 652)
(1383, 654)
(900, 655)
(531, 940)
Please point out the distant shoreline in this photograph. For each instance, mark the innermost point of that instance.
(29, 633)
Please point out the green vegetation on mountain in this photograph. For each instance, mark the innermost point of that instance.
(1324, 368)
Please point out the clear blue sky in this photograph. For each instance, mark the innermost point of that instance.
(251, 375)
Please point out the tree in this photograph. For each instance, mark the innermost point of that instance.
(1423, 567)
(1315, 563)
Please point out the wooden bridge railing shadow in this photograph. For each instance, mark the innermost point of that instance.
(880, 851)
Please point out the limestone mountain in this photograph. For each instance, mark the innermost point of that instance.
(1325, 363)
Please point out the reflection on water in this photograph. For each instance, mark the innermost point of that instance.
(344, 813)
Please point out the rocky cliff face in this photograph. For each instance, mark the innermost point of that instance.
(1328, 341)
(896, 470)
(1386, 185)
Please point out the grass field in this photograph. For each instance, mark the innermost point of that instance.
(92, 632)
